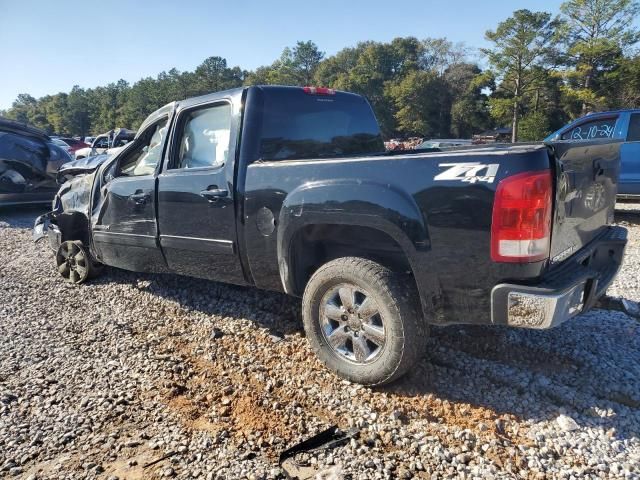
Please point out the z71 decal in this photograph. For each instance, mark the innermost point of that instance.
(469, 172)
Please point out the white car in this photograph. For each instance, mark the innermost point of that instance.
(106, 142)
(444, 143)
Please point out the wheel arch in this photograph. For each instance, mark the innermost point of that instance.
(73, 225)
(320, 221)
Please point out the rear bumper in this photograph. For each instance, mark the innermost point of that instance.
(568, 290)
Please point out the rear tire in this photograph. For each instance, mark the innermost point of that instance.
(75, 263)
(363, 321)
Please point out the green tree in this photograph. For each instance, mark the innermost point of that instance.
(78, 121)
(597, 33)
(469, 103)
(439, 54)
(335, 70)
(418, 98)
(22, 108)
(306, 58)
(213, 75)
(523, 48)
(627, 81)
(296, 66)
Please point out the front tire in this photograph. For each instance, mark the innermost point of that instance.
(363, 320)
(75, 263)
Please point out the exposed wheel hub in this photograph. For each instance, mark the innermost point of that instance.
(72, 261)
(352, 324)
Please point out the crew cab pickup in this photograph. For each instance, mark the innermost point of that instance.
(619, 125)
(290, 189)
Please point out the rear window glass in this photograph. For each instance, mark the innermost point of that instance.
(600, 128)
(296, 125)
(634, 128)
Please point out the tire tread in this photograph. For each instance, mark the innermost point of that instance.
(403, 294)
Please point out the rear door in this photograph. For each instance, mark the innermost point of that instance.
(586, 183)
(196, 214)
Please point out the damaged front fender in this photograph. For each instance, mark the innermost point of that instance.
(69, 219)
(45, 228)
(81, 166)
(40, 227)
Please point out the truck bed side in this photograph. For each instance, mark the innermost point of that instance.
(427, 213)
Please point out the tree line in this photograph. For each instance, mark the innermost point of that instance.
(539, 71)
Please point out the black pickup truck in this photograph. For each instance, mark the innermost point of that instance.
(289, 189)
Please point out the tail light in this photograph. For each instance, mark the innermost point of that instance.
(521, 221)
(319, 91)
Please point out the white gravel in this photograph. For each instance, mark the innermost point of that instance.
(99, 380)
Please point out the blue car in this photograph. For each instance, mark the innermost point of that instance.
(618, 124)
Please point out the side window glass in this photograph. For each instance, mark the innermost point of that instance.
(634, 128)
(144, 157)
(102, 143)
(204, 141)
(600, 128)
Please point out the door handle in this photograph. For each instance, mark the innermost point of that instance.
(139, 198)
(214, 194)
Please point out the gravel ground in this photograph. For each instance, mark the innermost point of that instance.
(100, 380)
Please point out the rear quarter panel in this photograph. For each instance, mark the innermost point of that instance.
(440, 216)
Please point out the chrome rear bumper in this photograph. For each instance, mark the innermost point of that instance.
(568, 290)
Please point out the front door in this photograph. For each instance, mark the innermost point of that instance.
(196, 214)
(124, 227)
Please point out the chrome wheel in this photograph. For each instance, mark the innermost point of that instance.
(72, 262)
(352, 324)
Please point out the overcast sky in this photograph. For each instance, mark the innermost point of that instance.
(50, 46)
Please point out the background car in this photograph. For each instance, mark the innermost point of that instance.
(106, 142)
(623, 125)
(443, 143)
(62, 144)
(29, 161)
(74, 144)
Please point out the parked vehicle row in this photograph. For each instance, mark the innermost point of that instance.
(290, 189)
(29, 161)
(106, 142)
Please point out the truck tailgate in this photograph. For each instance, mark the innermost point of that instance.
(586, 184)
